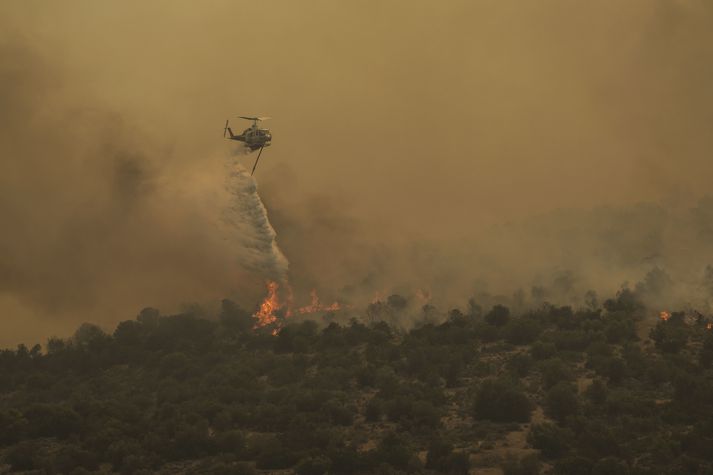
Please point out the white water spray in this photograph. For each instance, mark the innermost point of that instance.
(246, 223)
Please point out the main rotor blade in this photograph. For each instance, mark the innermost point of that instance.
(254, 118)
(256, 160)
(225, 131)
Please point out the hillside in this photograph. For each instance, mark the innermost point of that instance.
(550, 390)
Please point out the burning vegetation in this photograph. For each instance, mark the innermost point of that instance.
(267, 313)
(316, 306)
(273, 313)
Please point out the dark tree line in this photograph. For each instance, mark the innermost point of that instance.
(166, 393)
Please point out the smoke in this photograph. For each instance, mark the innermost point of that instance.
(662, 249)
(460, 148)
(100, 219)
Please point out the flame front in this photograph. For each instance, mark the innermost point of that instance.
(664, 315)
(316, 306)
(266, 314)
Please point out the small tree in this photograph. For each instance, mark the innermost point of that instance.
(498, 316)
(551, 440)
(669, 336)
(501, 401)
(561, 402)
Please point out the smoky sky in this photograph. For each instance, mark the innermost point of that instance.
(409, 139)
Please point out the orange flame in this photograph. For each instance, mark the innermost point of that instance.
(316, 306)
(266, 314)
(709, 326)
(664, 315)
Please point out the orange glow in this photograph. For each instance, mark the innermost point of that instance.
(378, 297)
(290, 301)
(709, 326)
(423, 296)
(664, 315)
(316, 306)
(266, 314)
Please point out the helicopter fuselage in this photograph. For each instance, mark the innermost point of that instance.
(254, 137)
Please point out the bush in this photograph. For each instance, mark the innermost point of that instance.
(498, 316)
(571, 340)
(561, 402)
(442, 459)
(501, 401)
(598, 440)
(610, 466)
(522, 331)
(520, 364)
(541, 350)
(374, 410)
(12, 427)
(614, 369)
(397, 452)
(528, 465)
(313, 466)
(52, 420)
(22, 456)
(552, 441)
(459, 463)
(573, 466)
(275, 456)
(597, 392)
(554, 371)
(232, 441)
(438, 451)
(669, 337)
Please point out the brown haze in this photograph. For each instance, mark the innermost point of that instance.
(416, 145)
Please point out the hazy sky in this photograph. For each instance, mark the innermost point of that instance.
(393, 121)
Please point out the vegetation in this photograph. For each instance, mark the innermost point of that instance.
(547, 390)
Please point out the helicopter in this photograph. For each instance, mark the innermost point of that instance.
(254, 137)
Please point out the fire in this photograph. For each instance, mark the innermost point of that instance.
(316, 306)
(290, 301)
(266, 314)
(709, 326)
(664, 315)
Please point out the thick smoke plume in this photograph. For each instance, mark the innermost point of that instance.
(459, 148)
(99, 219)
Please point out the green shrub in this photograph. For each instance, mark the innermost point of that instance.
(520, 364)
(551, 440)
(543, 350)
(522, 331)
(561, 402)
(501, 401)
(555, 371)
(498, 316)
